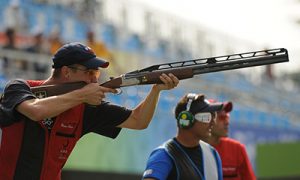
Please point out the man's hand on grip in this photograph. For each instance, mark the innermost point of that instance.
(93, 94)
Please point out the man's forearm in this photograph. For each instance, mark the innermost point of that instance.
(39, 109)
(141, 116)
(148, 106)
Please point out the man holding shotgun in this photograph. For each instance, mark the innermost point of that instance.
(38, 134)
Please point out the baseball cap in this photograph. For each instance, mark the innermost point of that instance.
(227, 105)
(205, 106)
(77, 53)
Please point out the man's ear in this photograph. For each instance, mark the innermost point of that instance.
(65, 72)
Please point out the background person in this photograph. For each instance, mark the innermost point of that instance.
(235, 161)
(38, 47)
(186, 156)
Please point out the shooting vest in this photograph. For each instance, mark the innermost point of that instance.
(184, 167)
(30, 151)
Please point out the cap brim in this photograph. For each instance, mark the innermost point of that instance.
(213, 107)
(95, 63)
(206, 107)
(227, 106)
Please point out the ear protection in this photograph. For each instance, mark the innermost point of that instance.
(185, 119)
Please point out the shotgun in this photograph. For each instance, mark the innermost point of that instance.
(181, 69)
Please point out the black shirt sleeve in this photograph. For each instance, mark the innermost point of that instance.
(104, 118)
(15, 92)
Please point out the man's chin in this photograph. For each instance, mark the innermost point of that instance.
(225, 134)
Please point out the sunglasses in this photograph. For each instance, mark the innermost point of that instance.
(90, 72)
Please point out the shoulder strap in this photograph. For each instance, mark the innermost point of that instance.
(210, 162)
(183, 165)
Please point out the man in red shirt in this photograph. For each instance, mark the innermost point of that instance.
(235, 161)
(39, 134)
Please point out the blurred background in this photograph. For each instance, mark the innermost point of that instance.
(133, 34)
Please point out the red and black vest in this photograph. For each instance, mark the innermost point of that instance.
(30, 151)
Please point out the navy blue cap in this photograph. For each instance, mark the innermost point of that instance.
(77, 53)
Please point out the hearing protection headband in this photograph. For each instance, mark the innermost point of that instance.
(191, 97)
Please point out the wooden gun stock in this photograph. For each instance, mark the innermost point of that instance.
(147, 78)
(56, 89)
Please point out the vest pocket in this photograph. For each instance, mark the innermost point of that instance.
(62, 145)
(65, 135)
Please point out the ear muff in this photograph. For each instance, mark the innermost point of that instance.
(185, 119)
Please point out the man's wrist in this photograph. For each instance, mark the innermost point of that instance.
(156, 88)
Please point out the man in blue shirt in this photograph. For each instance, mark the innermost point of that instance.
(186, 156)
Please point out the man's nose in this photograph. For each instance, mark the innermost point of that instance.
(213, 121)
(93, 79)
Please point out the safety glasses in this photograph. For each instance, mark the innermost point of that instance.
(90, 72)
(206, 117)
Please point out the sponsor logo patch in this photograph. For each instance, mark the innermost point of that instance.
(147, 172)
